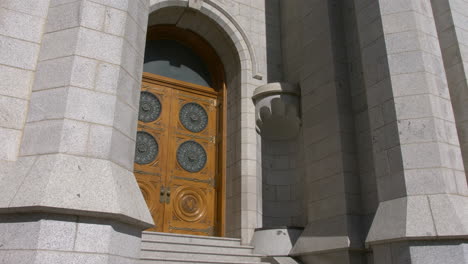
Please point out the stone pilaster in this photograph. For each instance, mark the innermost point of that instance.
(21, 30)
(72, 186)
(331, 182)
(418, 164)
(451, 18)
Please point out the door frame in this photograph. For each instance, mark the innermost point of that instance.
(211, 59)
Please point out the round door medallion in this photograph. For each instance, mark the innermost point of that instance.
(193, 116)
(146, 148)
(190, 204)
(150, 107)
(191, 156)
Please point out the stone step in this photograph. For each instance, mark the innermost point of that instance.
(193, 247)
(181, 261)
(197, 256)
(189, 239)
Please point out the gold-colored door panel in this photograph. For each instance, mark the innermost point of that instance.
(179, 183)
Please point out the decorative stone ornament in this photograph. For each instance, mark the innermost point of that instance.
(277, 108)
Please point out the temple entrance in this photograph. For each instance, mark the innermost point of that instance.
(179, 161)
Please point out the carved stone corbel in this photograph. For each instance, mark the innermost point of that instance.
(277, 110)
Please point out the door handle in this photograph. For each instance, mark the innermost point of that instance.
(162, 193)
(168, 195)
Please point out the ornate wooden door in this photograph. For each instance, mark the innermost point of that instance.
(176, 163)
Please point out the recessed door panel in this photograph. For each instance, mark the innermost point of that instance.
(176, 158)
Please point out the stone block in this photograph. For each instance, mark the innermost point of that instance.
(63, 16)
(100, 141)
(93, 15)
(47, 104)
(12, 112)
(53, 73)
(21, 26)
(93, 236)
(410, 107)
(134, 34)
(408, 217)
(37, 232)
(128, 89)
(451, 157)
(15, 82)
(41, 137)
(370, 30)
(19, 231)
(284, 239)
(249, 184)
(132, 61)
(37, 8)
(248, 151)
(450, 214)
(115, 21)
(74, 139)
(99, 46)
(447, 252)
(59, 44)
(57, 233)
(18, 53)
(408, 21)
(122, 150)
(84, 186)
(125, 240)
(17, 257)
(418, 130)
(249, 202)
(10, 140)
(83, 72)
(326, 235)
(12, 175)
(53, 136)
(43, 257)
(107, 78)
(90, 106)
(431, 180)
(390, 7)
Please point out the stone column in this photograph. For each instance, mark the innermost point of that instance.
(418, 164)
(331, 183)
(451, 17)
(21, 30)
(71, 196)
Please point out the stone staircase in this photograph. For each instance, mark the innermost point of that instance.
(188, 249)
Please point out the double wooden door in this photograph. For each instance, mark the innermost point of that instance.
(176, 162)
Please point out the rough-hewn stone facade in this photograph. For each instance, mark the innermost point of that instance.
(374, 174)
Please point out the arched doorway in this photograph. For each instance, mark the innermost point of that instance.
(180, 148)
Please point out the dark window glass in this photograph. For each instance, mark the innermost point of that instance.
(171, 59)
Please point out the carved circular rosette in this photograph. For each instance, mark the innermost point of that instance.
(193, 117)
(150, 107)
(191, 156)
(190, 204)
(146, 148)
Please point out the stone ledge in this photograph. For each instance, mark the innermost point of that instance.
(275, 241)
(329, 235)
(67, 184)
(425, 217)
